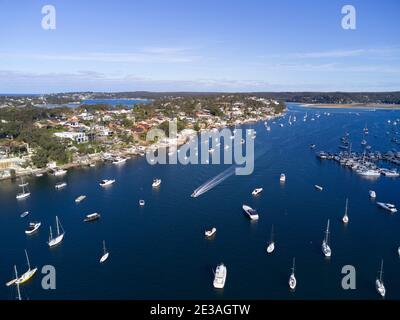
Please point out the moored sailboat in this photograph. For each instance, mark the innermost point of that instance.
(325, 243)
(292, 278)
(60, 235)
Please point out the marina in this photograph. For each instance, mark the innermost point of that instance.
(143, 237)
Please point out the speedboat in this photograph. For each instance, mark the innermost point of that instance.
(24, 214)
(372, 194)
(282, 177)
(368, 172)
(387, 206)
(80, 198)
(318, 187)
(220, 276)
(156, 183)
(92, 217)
(253, 215)
(119, 160)
(141, 203)
(33, 227)
(256, 191)
(105, 182)
(60, 185)
(210, 233)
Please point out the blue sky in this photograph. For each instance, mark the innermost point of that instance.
(199, 45)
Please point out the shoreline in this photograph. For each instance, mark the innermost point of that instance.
(367, 106)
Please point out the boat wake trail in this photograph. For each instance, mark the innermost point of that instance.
(208, 185)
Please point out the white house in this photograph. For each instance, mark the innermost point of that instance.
(79, 137)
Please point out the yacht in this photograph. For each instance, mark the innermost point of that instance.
(105, 255)
(253, 215)
(318, 187)
(33, 227)
(119, 160)
(390, 173)
(387, 206)
(368, 172)
(282, 177)
(59, 172)
(292, 278)
(24, 214)
(325, 244)
(60, 185)
(271, 245)
(345, 218)
(380, 287)
(25, 277)
(25, 191)
(60, 235)
(105, 182)
(220, 276)
(38, 175)
(210, 233)
(80, 198)
(256, 191)
(92, 217)
(156, 183)
(141, 203)
(372, 194)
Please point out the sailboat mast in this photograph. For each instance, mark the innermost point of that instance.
(272, 233)
(16, 277)
(58, 228)
(27, 260)
(294, 260)
(380, 273)
(347, 203)
(51, 234)
(327, 233)
(104, 246)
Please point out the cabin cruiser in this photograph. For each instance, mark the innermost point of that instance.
(60, 185)
(141, 203)
(32, 228)
(106, 182)
(59, 172)
(256, 191)
(282, 178)
(80, 198)
(156, 183)
(119, 160)
(220, 276)
(210, 233)
(253, 215)
(387, 206)
(390, 173)
(372, 194)
(92, 217)
(368, 172)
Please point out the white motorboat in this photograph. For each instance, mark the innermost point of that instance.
(325, 243)
(282, 178)
(25, 191)
(60, 185)
(106, 254)
(141, 203)
(372, 194)
(271, 245)
(345, 218)
(33, 227)
(368, 172)
(292, 278)
(105, 182)
(387, 206)
(256, 191)
(80, 199)
(318, 187)
(59, 172)
(390, 173)
(119, 160)
(210, 233)
(380, 286)
(220, 276)
(156, 183)
(24, 214)
(253, 215)
(60, 235)
(92, 217)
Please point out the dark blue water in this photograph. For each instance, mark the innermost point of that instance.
(116, 102)
(159, 251)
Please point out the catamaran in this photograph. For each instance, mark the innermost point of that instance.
(252, 213)
(156, 183)
(210, 233)
(25, 191)
(25, 277)
(33, 227)
(387, 206)
(271, 245)
(325, 243)
(220, 276)
(380, 287)
(292, 278)
(60, 236)
(105, 255)
(256, 191)
(345, 218)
